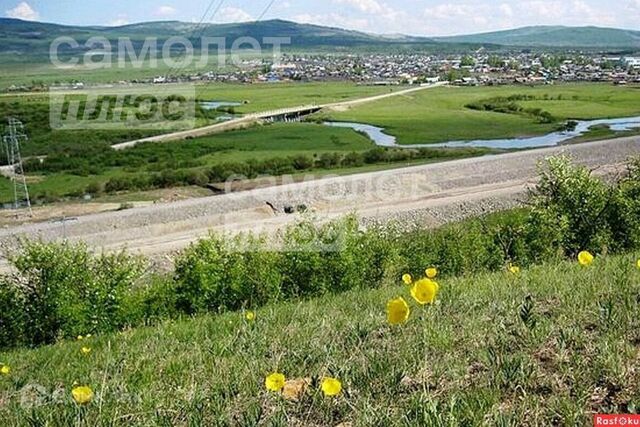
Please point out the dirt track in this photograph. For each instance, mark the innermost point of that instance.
(428, 195)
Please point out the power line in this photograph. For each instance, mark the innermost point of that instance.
(266, 10)
(193, 31)
(15, 133)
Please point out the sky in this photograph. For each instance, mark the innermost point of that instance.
(415, 17)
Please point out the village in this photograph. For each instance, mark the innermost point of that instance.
(477, 69)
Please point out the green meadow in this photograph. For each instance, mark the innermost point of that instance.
(81, 161)
(440, 115)
(548, 346)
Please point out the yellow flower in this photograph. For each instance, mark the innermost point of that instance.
(424, 291)
(397, 311)
(638, 263)
(331, 387)
(80, 337)
(85, 350)
(5, 370)
(82, 395)
(514, 269)
(585, 258)
(407, 279)
(274, 382)
(250, 316)
(431, 272)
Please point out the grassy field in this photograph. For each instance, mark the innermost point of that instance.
(277, 140)
(264, 97)
(428, 116)
(548, 346)
(439, 115)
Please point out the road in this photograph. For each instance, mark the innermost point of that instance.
(426, 195)
(252, 118)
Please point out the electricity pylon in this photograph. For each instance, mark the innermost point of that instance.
(11, 142)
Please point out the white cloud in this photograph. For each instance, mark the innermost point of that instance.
(446, 11)
(573, 12)
(333, 20)
(507, 10)
(366, 6)
(233, 14)
(121, 20)
(23, 11)
(165, 11)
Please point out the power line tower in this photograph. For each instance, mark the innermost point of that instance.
(11, 142)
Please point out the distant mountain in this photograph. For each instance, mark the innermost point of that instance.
(25, 37)
(554, 36)
(25, 40)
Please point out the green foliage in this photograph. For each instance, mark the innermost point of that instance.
(508, 105)
(217, 274)
(571, 199)
(69, 292)
(12, 314)
(62, 290)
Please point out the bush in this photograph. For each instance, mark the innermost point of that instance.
(61, 290)
(12, 315)
(68, 292)
(217, 274)
(570, 198)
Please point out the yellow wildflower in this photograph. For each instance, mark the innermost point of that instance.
(274, 382)
(514, 269)
(407, 279)
(250, 316)
(85, 350)
(80, 337)
(331, 387)
(424, 291)
(82, 395)
(585, 258)
(431, 272)
(397, 311)
(638, 263)
(5, 370)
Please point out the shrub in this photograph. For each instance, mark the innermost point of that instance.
(68, 292)
(569, 197)
(12, 314)
(217, 274)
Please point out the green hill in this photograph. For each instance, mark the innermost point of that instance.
(23, 37)
(550, 346)
(554, 36)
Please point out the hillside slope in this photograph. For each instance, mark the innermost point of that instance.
(554, 36)
(21, 36)
(548, 346)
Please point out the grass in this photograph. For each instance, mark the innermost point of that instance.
(439, 115)
(427, 116)
(547, 347)
(277, 140)
(602, 132)
(264, 97)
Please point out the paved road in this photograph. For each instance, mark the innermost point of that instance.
(429, 195)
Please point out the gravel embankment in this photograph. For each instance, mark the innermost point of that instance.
(424, 195)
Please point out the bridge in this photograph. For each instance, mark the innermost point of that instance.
(293, 114)
(282, 115)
